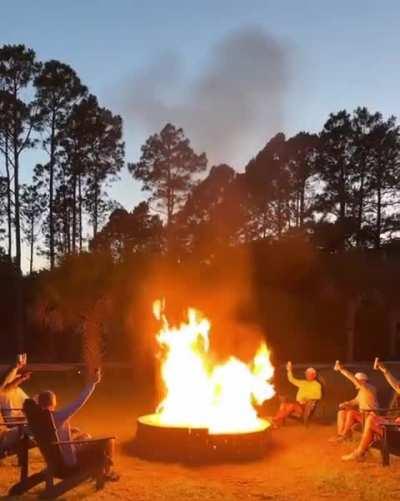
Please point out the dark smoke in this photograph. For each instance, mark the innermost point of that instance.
(229, 109)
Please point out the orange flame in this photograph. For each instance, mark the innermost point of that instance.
(203, 394)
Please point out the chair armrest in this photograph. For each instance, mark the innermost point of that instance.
(16, 422)
(387, 410)
(391, 425)
(84, 441)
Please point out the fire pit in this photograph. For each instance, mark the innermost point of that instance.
(158, 442)
(207, 413)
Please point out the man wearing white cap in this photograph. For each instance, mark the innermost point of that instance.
(373, 427)
(351, 412)
(309, 389)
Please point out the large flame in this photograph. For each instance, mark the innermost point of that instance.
(204, 394)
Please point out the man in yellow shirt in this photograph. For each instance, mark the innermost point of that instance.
(309, 390)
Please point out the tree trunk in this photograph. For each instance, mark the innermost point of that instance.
(74, 213)
(342, 196)
(378, 215)
(32, 240)
(302, 202)
(360, 204)
(9, 211)
(80, 211)
(96, 204)
(352, 306)
(51, 192)
(17, 208)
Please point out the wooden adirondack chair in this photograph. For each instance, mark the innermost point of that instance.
(389, 442)
(42, 427)
(20, 449)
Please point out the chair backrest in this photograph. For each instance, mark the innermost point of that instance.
(41, 425)
(322, 382)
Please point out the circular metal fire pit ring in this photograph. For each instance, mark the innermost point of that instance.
(196, 445)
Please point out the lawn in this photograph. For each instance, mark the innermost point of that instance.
(300, 465)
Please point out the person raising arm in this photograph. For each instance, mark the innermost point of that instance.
(373, 426)
(309, 390)
(351, 412)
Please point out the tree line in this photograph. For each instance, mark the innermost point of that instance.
(339, 188)
(44, 105)
(307, 209)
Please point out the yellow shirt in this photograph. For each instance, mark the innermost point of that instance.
(307, 390)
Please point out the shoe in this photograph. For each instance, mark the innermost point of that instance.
(353, 456)
(337, 439)
(111, 476)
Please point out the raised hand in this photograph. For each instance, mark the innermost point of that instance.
(337, 366)
(289, 366)
(379, 366)
(96, 378)
(21, 360)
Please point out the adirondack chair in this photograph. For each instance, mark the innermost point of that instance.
(20, 449)
(22, 445)
(42, 427)
(389, 442)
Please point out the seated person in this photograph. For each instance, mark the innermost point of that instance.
(12, 398)
(309, 389)
(373, 426)
(81, 453)
(353, 411)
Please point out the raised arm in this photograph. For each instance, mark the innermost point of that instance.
(12, 373)
(14, 383)
(291, 378)
(67, 412)
(349, 375)
(394, 383)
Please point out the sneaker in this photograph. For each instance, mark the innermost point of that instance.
(337, 439)
(353, 456)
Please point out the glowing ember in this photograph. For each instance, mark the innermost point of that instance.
(201, 393)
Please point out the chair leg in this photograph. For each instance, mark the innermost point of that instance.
(27, 484)
(23, 459)
(385, 449)
(100, 481)
(54, 490)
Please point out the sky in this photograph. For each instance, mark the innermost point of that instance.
(232, 73)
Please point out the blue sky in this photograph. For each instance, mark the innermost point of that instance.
(341, 54)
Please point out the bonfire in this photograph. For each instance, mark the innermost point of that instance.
(208, 409)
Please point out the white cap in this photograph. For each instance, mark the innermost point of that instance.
(361, 376)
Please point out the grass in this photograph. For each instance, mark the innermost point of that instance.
(302, 465)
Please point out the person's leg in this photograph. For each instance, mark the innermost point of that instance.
(284, 411)
(341, 419)
(98, 452)
(372, 427)
(352, 417)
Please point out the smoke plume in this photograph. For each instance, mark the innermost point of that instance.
(229, 108)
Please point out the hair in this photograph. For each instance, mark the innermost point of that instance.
(46, 399)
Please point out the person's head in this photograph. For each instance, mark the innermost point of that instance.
(311, 374)
(361, 377)
(47, 400)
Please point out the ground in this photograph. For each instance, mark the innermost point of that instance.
(301, 464)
